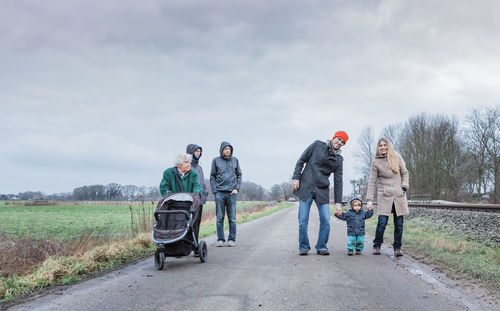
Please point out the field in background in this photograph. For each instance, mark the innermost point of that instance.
(69, 220)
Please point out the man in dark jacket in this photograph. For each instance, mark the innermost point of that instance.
(312, 183)
(195, 151)
(225, 181)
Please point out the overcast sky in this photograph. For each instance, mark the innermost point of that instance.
(93, 92)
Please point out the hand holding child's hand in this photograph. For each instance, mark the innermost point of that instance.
(369, 205)
(338, 211)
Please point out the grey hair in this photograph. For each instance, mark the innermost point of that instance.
(181, 157)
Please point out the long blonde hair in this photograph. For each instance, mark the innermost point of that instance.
(392, 155)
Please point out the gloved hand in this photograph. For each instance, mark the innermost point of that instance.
(404, 189)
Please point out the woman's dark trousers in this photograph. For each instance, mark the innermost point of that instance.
(398, 230)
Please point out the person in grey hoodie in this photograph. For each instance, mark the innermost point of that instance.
(225, 181)
(196, 152)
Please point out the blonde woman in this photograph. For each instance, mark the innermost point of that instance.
(389, 175)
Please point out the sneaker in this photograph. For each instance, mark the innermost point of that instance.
(323, 252)
(349, 252)
(376, 251)
(398, 253)
(302, 252)
(219, 243)
(231, 243)
(358, 252)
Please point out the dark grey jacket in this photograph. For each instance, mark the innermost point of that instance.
(320, 163)
(225, 174)
(190, 149)
(355, 221)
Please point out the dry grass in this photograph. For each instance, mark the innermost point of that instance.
(31, 252)
(59, 268)
(142, 220)
(2, 291)
(442, 243)
(27, 253)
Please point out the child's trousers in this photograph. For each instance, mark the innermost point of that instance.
(355, 242)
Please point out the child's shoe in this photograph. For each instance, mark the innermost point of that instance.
(376, 251)
(398, 253)
(358, 252)
(349, 252)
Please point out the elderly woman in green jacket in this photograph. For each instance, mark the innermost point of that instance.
(180, 178)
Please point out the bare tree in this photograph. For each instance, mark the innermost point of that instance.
(432, 152)
(476, 139)
(359, 186)
(482, 141)
(130, 191)
(286, 187)
(276, 192)
(114, 191)
(393, 134)
(366, 151)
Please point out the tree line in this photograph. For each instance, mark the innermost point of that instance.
(446, 159)
(249, 191)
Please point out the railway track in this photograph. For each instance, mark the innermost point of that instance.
(492, 208)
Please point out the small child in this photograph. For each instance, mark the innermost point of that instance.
(355, 218)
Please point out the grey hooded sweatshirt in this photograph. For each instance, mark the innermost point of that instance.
(190, 149)
(225, 174)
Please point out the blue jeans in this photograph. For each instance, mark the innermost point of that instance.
(324, 223)
(225, 202)
(398, 230)
(355, 242)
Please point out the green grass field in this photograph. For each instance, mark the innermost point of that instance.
(68, 220)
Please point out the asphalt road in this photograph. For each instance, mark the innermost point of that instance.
(263, 272)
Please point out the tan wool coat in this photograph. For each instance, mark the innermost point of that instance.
(389, 186)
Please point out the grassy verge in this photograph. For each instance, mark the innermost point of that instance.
(110, 251)
(456, 255)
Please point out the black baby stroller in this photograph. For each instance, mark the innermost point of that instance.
(173, 232)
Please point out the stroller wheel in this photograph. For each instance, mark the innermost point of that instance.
(159, 260)
(202, 251)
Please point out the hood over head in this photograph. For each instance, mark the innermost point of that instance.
(354, 199)
(224, 144)
(191, 148)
